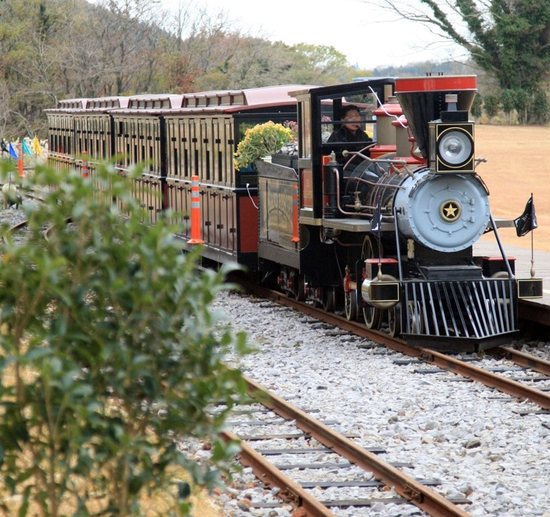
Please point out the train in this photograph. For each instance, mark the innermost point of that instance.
(380, 228)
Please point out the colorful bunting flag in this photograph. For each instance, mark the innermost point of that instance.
(26, 149)
(13, 152)
(36, 146)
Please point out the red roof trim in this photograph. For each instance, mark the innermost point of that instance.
(435, 84)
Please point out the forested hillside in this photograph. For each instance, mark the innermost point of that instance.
(56, 49)
(52, 49)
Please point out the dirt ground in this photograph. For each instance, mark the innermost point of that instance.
(518, 164)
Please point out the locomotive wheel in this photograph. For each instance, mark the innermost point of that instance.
(329, 297)
(318, 296)
(415, 318)
(500, 274)
(351, 305)
(299, 288)
(370, 248)
(373, 316)
(394, 320)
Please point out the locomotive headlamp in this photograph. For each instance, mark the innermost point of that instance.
(455, 147)
(452, 147)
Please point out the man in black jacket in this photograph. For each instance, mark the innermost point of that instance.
(349, 131)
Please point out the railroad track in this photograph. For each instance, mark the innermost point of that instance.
(341, 454)
(471, 370)
(467, 369)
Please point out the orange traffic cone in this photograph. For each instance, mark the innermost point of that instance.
(195, 212)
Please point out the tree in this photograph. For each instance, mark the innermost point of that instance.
(491, 105)
(541, 109)
(477, 107)
(320, 64)
(522, 102)
(507, 103)
(109, 355)
(27, 27)
(58, 49)
(508, 38)
(127, 33)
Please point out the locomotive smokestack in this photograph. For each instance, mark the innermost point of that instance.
(451, 99)
(425, 99)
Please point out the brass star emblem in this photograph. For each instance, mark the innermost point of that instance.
(450, 211)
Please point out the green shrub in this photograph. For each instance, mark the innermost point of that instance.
(109, 355)
(259, 141)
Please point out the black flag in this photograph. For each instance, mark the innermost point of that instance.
(528, 220)
(376, 223)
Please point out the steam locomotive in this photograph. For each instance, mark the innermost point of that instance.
(382, 228)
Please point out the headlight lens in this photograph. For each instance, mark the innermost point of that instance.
(455, 147)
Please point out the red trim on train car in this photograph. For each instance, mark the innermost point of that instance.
(388, 110)
(306, 188)
(249, 231)
(377, 151)
(434, 84)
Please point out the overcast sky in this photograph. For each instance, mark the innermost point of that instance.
(367, 36)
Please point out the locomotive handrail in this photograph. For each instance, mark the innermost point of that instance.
(501, 248)
(377, 161)
(374, 161)
(398, 246)
(339, 206)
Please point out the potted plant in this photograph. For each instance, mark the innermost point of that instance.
(260, 141)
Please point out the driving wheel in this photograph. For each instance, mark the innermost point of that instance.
(373, 316)
(394, 320)
(351, 304)
(415, 318)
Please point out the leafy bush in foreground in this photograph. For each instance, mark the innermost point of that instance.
(109, 354)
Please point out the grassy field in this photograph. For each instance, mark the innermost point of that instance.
(518, 164)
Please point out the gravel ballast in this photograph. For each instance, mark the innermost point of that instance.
(469, 437)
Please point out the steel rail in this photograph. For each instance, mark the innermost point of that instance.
(407, 487)
(272, 476)
(522, 359)
(503, 384)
